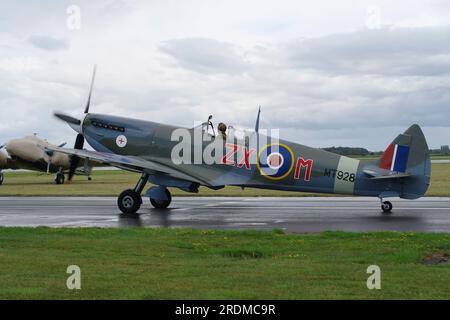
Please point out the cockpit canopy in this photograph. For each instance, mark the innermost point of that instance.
(227, 131)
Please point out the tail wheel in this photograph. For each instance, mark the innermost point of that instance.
(162, 204)
(129, 202)
(386, 207)
(59, 179)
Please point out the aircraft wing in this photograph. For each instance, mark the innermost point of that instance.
(130, 163)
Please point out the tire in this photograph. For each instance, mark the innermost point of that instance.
(129, 202)
(2, 178)
(59, 179)
(386, 207)
(162, 204)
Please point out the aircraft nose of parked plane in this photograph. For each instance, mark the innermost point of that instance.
(3, 159)
(23, 149)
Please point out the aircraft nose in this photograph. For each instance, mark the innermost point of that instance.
(76, 123)
(13, 147)
(3, 159)
(22, 149)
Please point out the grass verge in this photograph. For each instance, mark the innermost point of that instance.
(112, 183)
(194, 264)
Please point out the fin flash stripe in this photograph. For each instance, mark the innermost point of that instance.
(395, 158)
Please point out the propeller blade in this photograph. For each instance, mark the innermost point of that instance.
(88, 104)
(79, 142)
(67, 118)
(75, 160)
(257, 120)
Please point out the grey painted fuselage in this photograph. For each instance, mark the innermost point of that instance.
(306, 169)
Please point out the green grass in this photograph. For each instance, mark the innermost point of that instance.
(440, 157)
(188, 264)
(112, 183)
(108, 183)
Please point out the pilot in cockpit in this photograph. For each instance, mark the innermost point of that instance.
(222, 127)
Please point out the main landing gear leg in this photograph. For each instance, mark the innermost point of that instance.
(130, 201)
(386, 206)
(2, 178)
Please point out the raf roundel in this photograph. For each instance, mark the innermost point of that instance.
(275, 161)
(121, 141)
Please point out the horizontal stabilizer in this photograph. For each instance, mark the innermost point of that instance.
(377, 175)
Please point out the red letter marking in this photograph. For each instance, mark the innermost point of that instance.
(226, 158)
(246, 159)
(303, 163)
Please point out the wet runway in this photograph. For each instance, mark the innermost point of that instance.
(291, 214)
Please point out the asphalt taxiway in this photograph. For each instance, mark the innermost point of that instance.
(292, 214)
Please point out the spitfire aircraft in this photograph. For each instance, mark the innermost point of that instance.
(27, 153)
(248, 159)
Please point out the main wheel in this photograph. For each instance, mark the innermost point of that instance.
(59, 179)
(129, 202)
(2, 178)
(386, 207)
(158, 204)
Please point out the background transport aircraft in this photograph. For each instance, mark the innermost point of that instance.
(146, 147)
(27, 153)
(30, 153)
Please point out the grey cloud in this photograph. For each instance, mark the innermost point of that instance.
(365, 79)
(387, 51)
(358, 88)
(49, 43)
(205, 55)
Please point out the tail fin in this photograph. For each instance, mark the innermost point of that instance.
(409, 153)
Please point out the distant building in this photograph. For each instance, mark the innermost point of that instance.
(445, 149)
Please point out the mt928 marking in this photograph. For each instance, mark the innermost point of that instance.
(340, 175)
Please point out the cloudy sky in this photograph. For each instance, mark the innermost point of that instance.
(351, 73)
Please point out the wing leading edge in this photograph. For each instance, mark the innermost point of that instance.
(130, 163)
